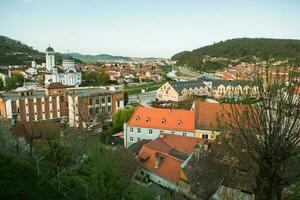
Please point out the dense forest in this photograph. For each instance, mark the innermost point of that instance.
(244, 49)
(13, 52)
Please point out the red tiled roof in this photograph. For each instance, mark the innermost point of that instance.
(182, 143)
(56, 86)
(170, 119)
(119, 134)
(169, 168)
(206, 114)
(297, 90)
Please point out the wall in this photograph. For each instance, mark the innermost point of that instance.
(160, 180)
(144, 134)
(167, 93)
(211, 134)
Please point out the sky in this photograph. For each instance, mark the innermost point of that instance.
(143, 28)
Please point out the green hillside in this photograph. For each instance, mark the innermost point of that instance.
(244, 49)
(13, 52)
(100, 57)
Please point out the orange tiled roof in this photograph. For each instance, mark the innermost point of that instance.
(297, 90)
(182, 143)
(206, 114)
(170, 119)
(168, 146)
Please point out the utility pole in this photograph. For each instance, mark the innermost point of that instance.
(37, 160)
(58, 177)
(86, 191)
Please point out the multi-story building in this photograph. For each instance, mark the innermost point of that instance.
(149, 123)
(181, 90)
(77, 105)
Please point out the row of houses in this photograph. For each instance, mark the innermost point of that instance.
(166, 141)
(76, 105)
(208, 87)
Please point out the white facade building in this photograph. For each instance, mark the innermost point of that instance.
(66, 74)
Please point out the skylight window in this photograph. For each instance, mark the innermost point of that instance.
(163, 121)
(137, 118)
(179, 122)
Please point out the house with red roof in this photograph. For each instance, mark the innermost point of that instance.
(149, 123)
(162, 160)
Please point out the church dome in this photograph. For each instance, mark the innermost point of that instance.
(49, 49)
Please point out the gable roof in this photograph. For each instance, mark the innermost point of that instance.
(181, 85)
(56, 85)
(174, 150)
(166, 119)
(234, 83)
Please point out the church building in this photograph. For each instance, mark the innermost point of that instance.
(66, 74)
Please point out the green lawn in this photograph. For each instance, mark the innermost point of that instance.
(148, 87)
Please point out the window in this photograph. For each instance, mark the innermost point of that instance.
(103, 109)
(184, 134)
(179, 122)
(163, 121)
(131, 139)
(150, 131)
(97, 110)
(204, 136)
(109, 109)
(137, 118)
(90, 100)
(91, 111)
(118, 103)
(98, 100)
(161, 131)
(109, 99)
(138, 139)
(103, 100)
(147, 119)
(139, 130)
(173, 132)
(131, 129)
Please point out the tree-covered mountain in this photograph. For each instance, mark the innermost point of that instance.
(13, 52)
(107, 57)
(244, 49)
(100, 57)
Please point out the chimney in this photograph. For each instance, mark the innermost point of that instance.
(158, 159)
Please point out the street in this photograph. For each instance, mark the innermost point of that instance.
(143, 98)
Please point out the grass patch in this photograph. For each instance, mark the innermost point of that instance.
(147, 87)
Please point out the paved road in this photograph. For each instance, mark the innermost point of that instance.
(143, 98)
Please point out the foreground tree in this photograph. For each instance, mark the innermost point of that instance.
(264, 137)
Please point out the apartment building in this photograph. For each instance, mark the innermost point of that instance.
(181, 90)
(57, 102)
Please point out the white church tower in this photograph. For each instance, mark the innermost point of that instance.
(50, 61)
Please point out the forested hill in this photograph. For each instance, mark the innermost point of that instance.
(13, 52)
(244, 49)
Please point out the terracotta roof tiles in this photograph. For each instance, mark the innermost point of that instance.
(167, 119)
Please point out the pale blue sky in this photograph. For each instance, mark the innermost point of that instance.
(144, 27)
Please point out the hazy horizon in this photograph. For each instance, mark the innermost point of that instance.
(144, 28)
